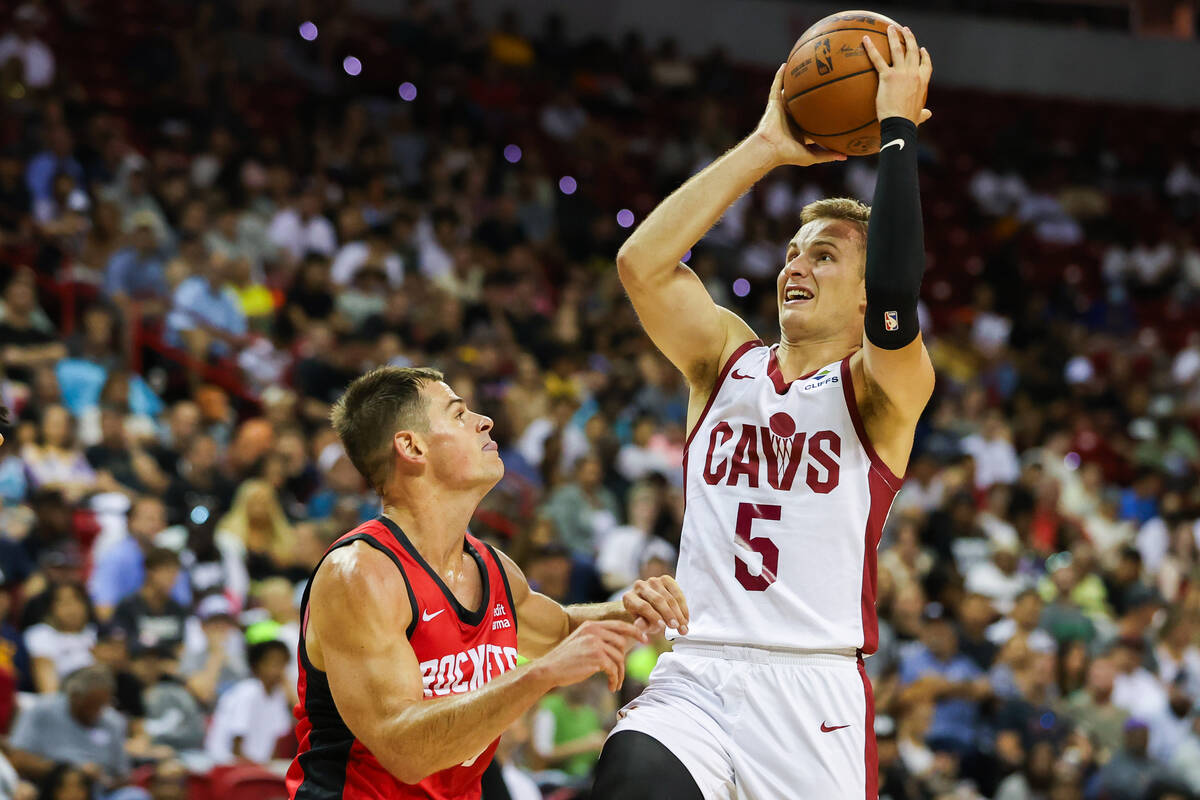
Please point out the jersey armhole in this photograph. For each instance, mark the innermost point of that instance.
(712, 395)
(507, 589)
(375, 543)
(860, 430)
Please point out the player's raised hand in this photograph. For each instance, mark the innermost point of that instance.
(657, 603)
(903, 84)
(785, 139)
(595, 646)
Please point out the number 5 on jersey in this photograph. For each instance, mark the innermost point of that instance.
(762, 544)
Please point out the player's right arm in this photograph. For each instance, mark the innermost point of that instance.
(682, 320)
(358, 612)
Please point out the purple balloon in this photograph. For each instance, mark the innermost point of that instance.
(625, 218)
(741, 287)
(408, 92)
(308, 31)
(352, 65)
(567, 184)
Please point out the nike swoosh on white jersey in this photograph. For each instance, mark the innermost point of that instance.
(426, 616)
(892, 142)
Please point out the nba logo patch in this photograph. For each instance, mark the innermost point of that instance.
(890, 321)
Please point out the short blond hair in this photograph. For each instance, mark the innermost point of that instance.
(846, 208)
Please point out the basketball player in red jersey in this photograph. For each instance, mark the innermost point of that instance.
(411, 626)
(794, 456)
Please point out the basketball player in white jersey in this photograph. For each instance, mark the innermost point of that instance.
(794, 456)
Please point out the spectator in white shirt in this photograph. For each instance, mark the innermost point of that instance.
(37, 60)
(254, 713)
(999, 579)
(619, 554)
(637, 459)
(436, 237)
(992, 448)
(374, 249)
(301, 229)
(1135, 688)
(63, 642)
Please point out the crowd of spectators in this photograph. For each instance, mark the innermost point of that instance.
(213, 216)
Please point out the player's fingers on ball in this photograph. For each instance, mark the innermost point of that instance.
(911, 50)
(777, 83)
(874, 54)
(896, 42)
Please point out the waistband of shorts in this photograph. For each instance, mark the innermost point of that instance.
(765, 655)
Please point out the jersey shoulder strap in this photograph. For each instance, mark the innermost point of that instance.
(368, 539)
(503, 577)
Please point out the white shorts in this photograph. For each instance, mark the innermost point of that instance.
(755, 724)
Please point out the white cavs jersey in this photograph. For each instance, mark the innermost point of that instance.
(786, 500)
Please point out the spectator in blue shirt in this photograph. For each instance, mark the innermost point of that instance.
(120, 571)
(934, 670)
(206, 317)
(138, 272)
(57, 157)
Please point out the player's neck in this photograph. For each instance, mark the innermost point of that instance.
(434, 522)
(807, 356)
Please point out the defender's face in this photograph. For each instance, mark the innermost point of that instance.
(820, 289)
(461, 450)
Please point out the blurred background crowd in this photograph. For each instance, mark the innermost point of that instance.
(213, 215)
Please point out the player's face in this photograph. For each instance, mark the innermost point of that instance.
(461, 450)
(820, 290)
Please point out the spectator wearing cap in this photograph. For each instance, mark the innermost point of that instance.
(214, 655)
(76, 726)
(150, 616)
(138, 271)
(1135, 688)
(63, 641)
(254, 714)
(121, 570)
(1131, 772)
(206, 317)
(1000, 578)
(934, 670)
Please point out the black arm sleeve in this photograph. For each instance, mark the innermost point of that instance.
(895, 240)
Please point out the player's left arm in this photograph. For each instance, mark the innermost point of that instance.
(893, 374)
(542, 622)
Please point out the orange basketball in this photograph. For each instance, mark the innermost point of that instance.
(830, 83)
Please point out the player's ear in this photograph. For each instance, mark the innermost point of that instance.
(410, 447)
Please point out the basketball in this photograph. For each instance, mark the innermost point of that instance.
(829, 86)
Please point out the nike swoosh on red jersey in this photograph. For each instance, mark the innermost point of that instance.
(738, 377)
(827, 729)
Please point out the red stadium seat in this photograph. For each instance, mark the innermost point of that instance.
(246, 782)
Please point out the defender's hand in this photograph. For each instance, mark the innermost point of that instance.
(657, 602)
(778, 131)
(595, 646)
(903, 85)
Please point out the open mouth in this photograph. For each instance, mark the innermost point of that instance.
(795, 295)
